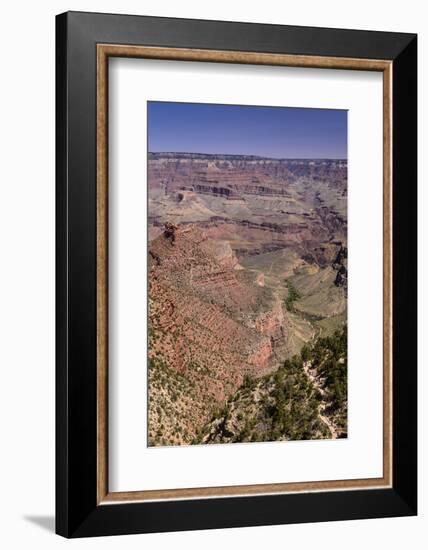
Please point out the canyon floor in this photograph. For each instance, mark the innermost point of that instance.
(247, 270)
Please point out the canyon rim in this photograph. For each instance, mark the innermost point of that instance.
(247, 274)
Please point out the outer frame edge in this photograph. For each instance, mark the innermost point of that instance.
(404, 243)
(405, 502)
(120, 519)
(61, 266)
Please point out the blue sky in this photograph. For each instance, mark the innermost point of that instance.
(277, 132)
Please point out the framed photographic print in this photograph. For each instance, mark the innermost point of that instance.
(236, 274)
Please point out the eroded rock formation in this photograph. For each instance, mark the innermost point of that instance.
(205, 321)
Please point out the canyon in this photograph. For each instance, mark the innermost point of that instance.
(232, 239)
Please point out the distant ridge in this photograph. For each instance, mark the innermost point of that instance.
(218, 156)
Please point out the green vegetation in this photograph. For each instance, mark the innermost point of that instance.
(330, 357)
(292, 296)
(294, 413)
(248, 382)
(168, 391)
(288, 405)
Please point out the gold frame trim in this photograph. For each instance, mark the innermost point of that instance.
(104, 51)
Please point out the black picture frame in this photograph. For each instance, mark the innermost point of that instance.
(77, 511)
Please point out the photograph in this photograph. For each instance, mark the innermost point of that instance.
(247, 270)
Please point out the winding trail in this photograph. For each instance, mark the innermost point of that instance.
(316, 382)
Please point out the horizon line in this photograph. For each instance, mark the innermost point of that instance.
(244, 155)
